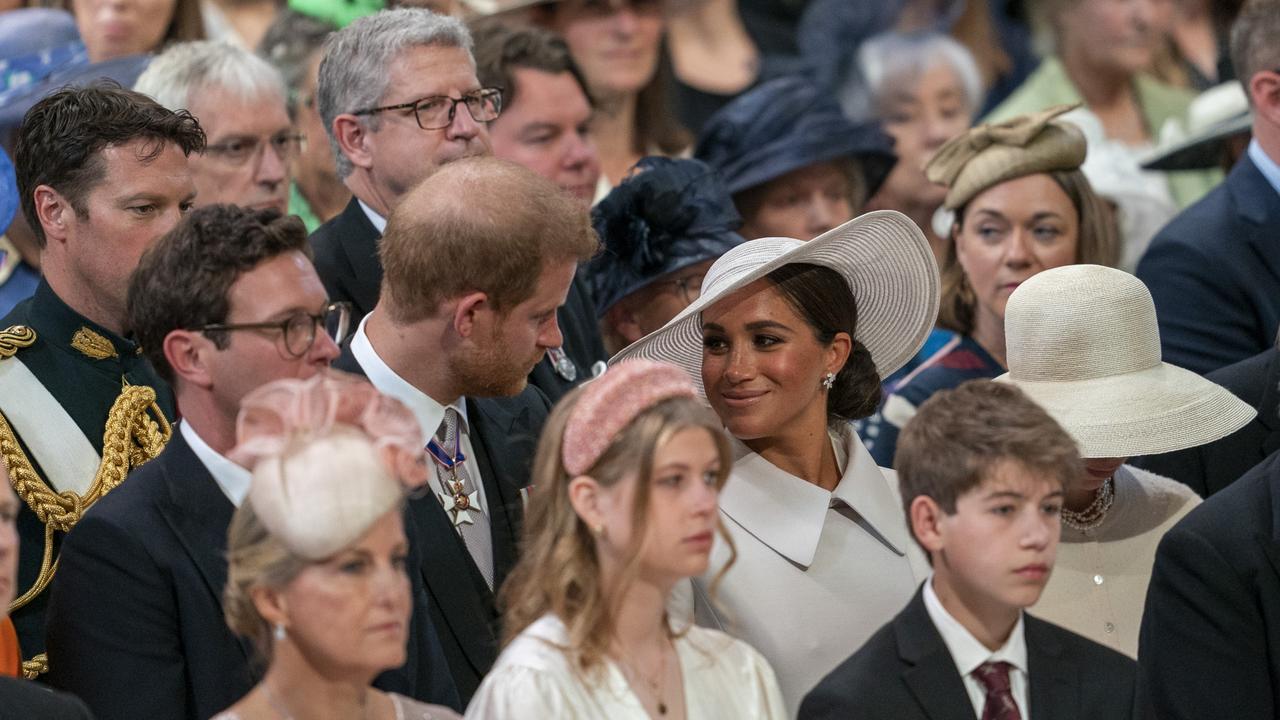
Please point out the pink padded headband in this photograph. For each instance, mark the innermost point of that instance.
(610, 402)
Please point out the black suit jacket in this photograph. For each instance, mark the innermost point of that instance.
(346, 257)
(136, 626)
(1209, 468)
(906, 672)
(1214, 273)
(1211, 627)
(25, 700)
(504, 434)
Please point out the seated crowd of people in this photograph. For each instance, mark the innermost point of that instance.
(640, 359)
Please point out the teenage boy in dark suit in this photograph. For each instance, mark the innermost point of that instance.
(981, 470)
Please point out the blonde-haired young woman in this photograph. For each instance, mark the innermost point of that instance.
(627, 473)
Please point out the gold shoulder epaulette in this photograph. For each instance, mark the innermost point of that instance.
(14, 339)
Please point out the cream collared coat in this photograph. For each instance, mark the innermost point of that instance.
(811, 583)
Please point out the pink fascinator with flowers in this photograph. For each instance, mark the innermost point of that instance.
(610, 402)
(329, 455)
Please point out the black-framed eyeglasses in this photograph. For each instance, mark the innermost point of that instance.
(689, 287)
(299, 329)
(436, 112)
(240, 150)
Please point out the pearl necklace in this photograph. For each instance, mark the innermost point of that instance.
(1091, 517)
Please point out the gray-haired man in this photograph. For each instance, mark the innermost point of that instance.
(239, 100)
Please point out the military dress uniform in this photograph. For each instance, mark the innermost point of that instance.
(79, 408)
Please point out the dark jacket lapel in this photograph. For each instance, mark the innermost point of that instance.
(199, 514)
(1259, 205)
(930, 672)
(359, 241)
(1269, 407)
(504, 444)
(1054, 682)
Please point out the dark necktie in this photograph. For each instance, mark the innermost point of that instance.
(995, 680)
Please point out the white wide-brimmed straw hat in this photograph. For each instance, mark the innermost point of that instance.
(1082, 341)
(882, 255)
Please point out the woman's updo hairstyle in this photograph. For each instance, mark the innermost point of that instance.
(822, 297)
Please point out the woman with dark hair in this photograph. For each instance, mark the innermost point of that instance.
(618, 44)
(627, 474)
(788, 343)
(1020, 205)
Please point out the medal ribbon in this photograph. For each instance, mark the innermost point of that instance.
(445, 460)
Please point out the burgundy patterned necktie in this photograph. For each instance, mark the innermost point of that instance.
(995, 680)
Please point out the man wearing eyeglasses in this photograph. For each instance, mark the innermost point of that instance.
(224, 303)
(399, 95)
(239, 100)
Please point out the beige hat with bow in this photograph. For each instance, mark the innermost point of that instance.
(1082, 341)
(989, 154)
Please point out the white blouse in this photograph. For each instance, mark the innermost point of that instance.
(535, 679)
(817, 572)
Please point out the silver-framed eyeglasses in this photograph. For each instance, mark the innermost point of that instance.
(299, 329)
(436, 112)
(689, 287)
(240, 150)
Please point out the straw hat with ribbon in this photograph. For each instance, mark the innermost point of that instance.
(989, 154)
(882, 255)
(1082, 341)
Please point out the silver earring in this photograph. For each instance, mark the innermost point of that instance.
(828, 380)
(278, 632)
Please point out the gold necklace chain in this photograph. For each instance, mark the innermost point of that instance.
(280, 709)
(657, 689)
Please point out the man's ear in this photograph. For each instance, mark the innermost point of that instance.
(353, 140)
(188, 353)
(926, 518)
(53, 212)
(471, 310)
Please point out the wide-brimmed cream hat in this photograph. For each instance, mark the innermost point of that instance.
(1214, 116)
(882, 255)
(1082, 341)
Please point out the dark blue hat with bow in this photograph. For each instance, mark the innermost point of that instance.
(666, 215)
(784, 125)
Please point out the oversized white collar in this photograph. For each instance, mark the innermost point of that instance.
(788, 514)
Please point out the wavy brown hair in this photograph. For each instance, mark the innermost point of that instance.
(1098, 243)
(559, 567)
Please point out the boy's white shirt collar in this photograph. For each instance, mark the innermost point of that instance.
(965, 649)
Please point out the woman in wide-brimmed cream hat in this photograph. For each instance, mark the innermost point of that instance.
(787, 343)
(1083, 342)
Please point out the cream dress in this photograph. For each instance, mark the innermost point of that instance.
(817, 572)
(535, 679)
(1098, 588)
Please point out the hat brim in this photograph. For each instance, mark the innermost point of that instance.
(882, 255)
(1202, 150)
(1157, 410)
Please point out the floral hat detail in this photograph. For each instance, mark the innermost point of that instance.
(329, 455)
(666, 215)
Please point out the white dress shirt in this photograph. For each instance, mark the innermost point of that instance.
(534, 679)
(811, 582)
(379, 222)
(233, 479)
(969, 654)
(428, 412)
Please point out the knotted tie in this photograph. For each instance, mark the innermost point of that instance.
(458, 494)
(995, 680)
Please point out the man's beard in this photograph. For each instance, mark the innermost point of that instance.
(488, 371)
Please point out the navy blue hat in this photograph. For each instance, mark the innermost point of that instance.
(666, 215)
(785, 125)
